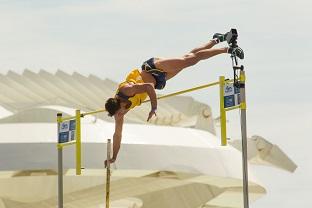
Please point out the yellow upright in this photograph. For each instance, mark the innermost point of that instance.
(222, 111)
(78, 143)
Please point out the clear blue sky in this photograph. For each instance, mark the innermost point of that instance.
(109, 37)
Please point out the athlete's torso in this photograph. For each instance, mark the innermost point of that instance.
(134, 77)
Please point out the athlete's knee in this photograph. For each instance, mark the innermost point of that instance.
(191, 58)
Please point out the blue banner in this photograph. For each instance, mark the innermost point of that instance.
(67, 131)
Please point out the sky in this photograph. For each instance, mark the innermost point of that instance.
(110, 37)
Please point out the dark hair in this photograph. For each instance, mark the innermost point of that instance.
(112, 105)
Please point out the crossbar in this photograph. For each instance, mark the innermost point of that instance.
(185, 91)
(161, 97)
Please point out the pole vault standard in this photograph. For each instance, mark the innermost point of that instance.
(244, 138)
(239, 83)
(68, 133)
(60, 165)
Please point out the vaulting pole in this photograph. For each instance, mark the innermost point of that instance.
(108, 172)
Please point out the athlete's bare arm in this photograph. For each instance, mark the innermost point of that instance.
(117, 135)
(119, 116)
(119, 119)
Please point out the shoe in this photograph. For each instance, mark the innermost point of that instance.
(236, 51)
(220, 37)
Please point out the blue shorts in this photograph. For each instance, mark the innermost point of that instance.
(159, 75)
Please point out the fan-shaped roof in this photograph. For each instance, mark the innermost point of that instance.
(25, 94)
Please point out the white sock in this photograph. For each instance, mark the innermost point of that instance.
(216, 40)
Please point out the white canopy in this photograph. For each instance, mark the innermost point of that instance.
(23, 94)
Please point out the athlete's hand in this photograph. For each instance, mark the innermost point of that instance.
(112, 160)
(151, 114)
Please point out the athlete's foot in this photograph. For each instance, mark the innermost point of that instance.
(218, 37)
(236, 51)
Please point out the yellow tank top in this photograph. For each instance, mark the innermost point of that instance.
(134, 77)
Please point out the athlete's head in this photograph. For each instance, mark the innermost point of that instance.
(112, 105)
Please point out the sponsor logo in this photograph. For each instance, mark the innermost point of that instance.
(64, 125)
(228, 89)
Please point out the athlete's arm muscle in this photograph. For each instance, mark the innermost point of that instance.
(117, 135)
(142, 88)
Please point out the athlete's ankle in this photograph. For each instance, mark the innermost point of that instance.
(216, 40)
(219, 37)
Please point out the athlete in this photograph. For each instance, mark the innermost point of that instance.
(153, 75)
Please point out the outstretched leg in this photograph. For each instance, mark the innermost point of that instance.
(208, 45)
(173, 66)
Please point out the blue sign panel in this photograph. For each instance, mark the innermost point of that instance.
(231, 95)
(72, 125)
(229, 101)
(67, 131)
(63, 137)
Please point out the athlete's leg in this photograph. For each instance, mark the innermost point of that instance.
(208, 45)
(173, 66)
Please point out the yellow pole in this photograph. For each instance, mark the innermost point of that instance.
(222, 112)
(185, 91)
(78, 143)
(108, 172)
(93, 112)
